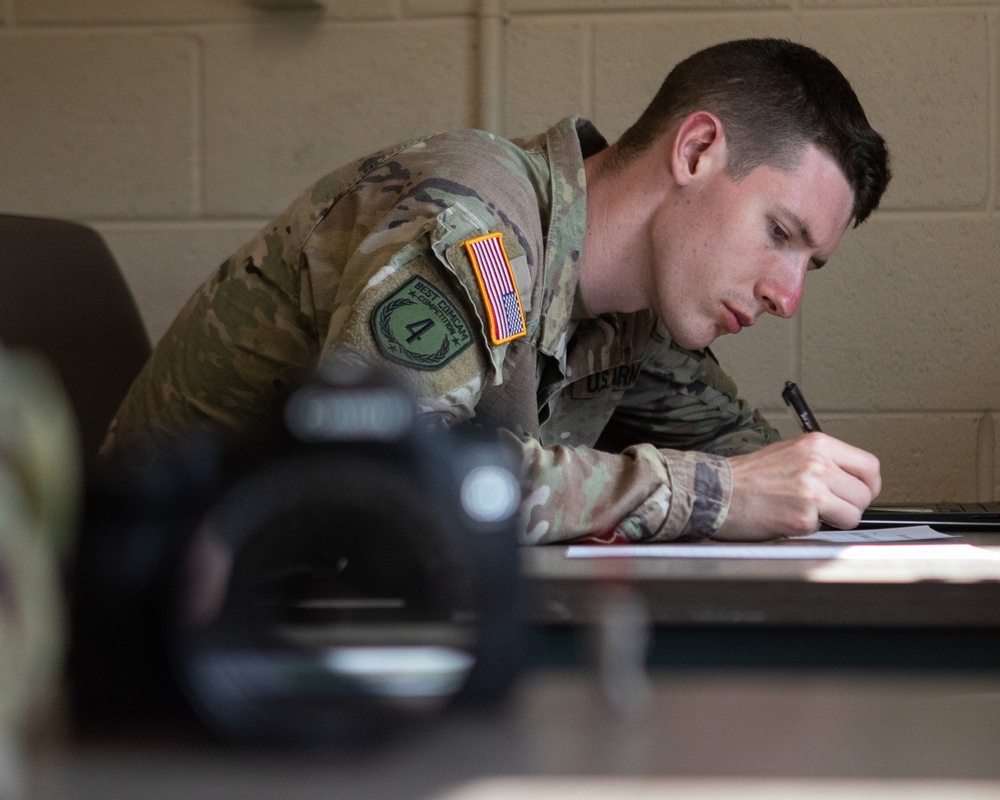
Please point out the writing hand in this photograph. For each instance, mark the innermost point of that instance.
(789, 488)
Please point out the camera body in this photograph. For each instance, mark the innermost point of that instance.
(351, 571)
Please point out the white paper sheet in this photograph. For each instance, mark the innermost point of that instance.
(907, 533)
(884, 543)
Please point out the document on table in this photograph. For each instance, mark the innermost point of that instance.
(884, 543)
(906, 533)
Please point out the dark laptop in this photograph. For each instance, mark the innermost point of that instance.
(944, 516)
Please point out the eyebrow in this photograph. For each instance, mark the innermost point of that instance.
(804, 232)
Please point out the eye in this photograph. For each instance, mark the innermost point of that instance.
(778, 233)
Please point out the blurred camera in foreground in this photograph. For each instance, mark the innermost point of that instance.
(353, 571)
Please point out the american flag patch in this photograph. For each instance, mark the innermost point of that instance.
(496, 282)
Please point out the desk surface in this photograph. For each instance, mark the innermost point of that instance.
(675, 725)
(884, 592)
(754, 726)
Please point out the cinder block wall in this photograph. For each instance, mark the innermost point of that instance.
(178, 127)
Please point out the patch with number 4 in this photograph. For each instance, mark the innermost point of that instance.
(419, 326)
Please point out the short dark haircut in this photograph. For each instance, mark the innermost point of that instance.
(774, 97)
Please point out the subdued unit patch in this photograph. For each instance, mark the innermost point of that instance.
(418, 326)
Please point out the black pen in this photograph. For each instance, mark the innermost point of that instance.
(793, 397)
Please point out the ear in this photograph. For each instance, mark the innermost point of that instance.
(699, 146)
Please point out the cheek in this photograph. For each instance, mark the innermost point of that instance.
(731, 237)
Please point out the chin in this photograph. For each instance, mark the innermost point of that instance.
(689, 339)
(697, 341)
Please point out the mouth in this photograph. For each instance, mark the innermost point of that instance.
(736, 320)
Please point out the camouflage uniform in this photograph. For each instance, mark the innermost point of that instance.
(376, 257)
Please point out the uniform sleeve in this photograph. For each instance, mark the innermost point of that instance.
(226, 358)
(660, 470)
(641, 494)
(684, 400)
(423, 318)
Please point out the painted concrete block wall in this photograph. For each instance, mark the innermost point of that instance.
(178, 127)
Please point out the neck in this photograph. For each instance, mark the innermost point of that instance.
(620, 202)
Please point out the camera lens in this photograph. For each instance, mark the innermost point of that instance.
(344, 571)
(317, 602)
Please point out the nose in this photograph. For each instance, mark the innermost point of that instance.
(781, 293)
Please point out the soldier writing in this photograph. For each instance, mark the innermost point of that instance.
(567, 291)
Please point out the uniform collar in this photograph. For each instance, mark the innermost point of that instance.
(567, 143)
